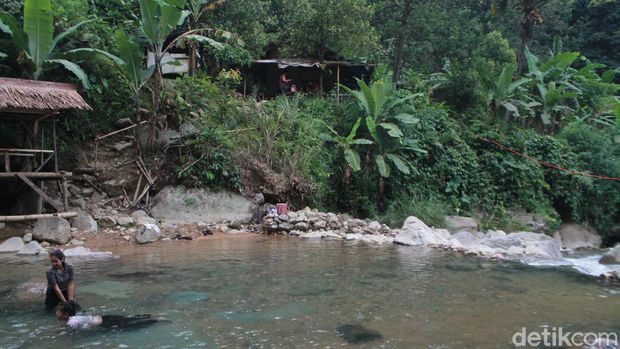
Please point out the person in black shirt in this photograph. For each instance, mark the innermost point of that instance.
(60, 285)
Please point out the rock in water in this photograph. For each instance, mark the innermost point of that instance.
(149, 233)
(13, 244)
(415, 233)
(32, 249)
(30, 291)
(356, 334)
(52, 229)
(83, 252)
(612, 257)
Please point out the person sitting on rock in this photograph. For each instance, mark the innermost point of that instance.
(67, 312)
(60, 285)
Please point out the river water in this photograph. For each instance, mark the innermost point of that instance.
(290, 293)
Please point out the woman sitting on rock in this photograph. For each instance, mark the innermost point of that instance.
(67, 312)
(60, 285)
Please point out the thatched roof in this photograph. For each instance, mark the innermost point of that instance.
(38, 97)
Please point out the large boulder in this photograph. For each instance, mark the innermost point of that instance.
(576, 236)
(84, 222)
(415, 233)
(612, 257)
(52, 229)
(538, 246)
(458, 223)
(465, 239)
(32, 248)
(114, 187)
(13, 244)
(501, 242)
(181, 205)
(546, 249)
(148, 233)
(107, 222)
(530, 222)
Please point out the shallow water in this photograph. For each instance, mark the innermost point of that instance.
(290, 293)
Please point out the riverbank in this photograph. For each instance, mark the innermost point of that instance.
(138, 228)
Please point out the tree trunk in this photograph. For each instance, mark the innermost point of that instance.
(193, 60)
(530, 16)
(526, 37)
(380, 205)
(400, 40)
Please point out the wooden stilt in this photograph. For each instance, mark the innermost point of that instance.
(55, 146)
(65, 194)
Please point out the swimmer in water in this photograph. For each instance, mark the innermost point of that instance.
(67, 312)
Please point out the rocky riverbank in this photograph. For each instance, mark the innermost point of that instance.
(520, 246)
(115, 229)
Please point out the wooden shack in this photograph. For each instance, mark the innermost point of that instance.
(304, 73)
(29, 111)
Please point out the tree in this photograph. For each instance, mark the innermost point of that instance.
(314, 28)
(400, 39)
(132, 64)
(530, 15)
(158, 20)
(594, 30)
(38, 49)
(197, 9)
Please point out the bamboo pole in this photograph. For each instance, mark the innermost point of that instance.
(36, 174)
(65, 194)
(119, 131)
(32, 217)
(338, 83)
(55, 146)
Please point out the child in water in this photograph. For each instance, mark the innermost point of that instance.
(67, 312)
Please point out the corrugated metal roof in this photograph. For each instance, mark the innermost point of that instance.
(307, 63)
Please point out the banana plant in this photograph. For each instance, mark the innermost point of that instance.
(554, 88)
(379, 103)
(346, 144)
(510, 95)
(36, 45)
(132, 62)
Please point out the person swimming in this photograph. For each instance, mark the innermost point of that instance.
(67, 312)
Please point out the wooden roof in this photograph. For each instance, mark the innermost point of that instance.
(25, 99)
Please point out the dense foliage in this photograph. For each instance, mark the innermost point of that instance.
(539, 77)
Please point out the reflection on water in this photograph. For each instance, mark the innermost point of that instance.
(289, 293)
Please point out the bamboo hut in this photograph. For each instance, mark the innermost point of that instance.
(34, 107)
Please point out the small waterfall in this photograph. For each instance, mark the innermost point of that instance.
(589, 264)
